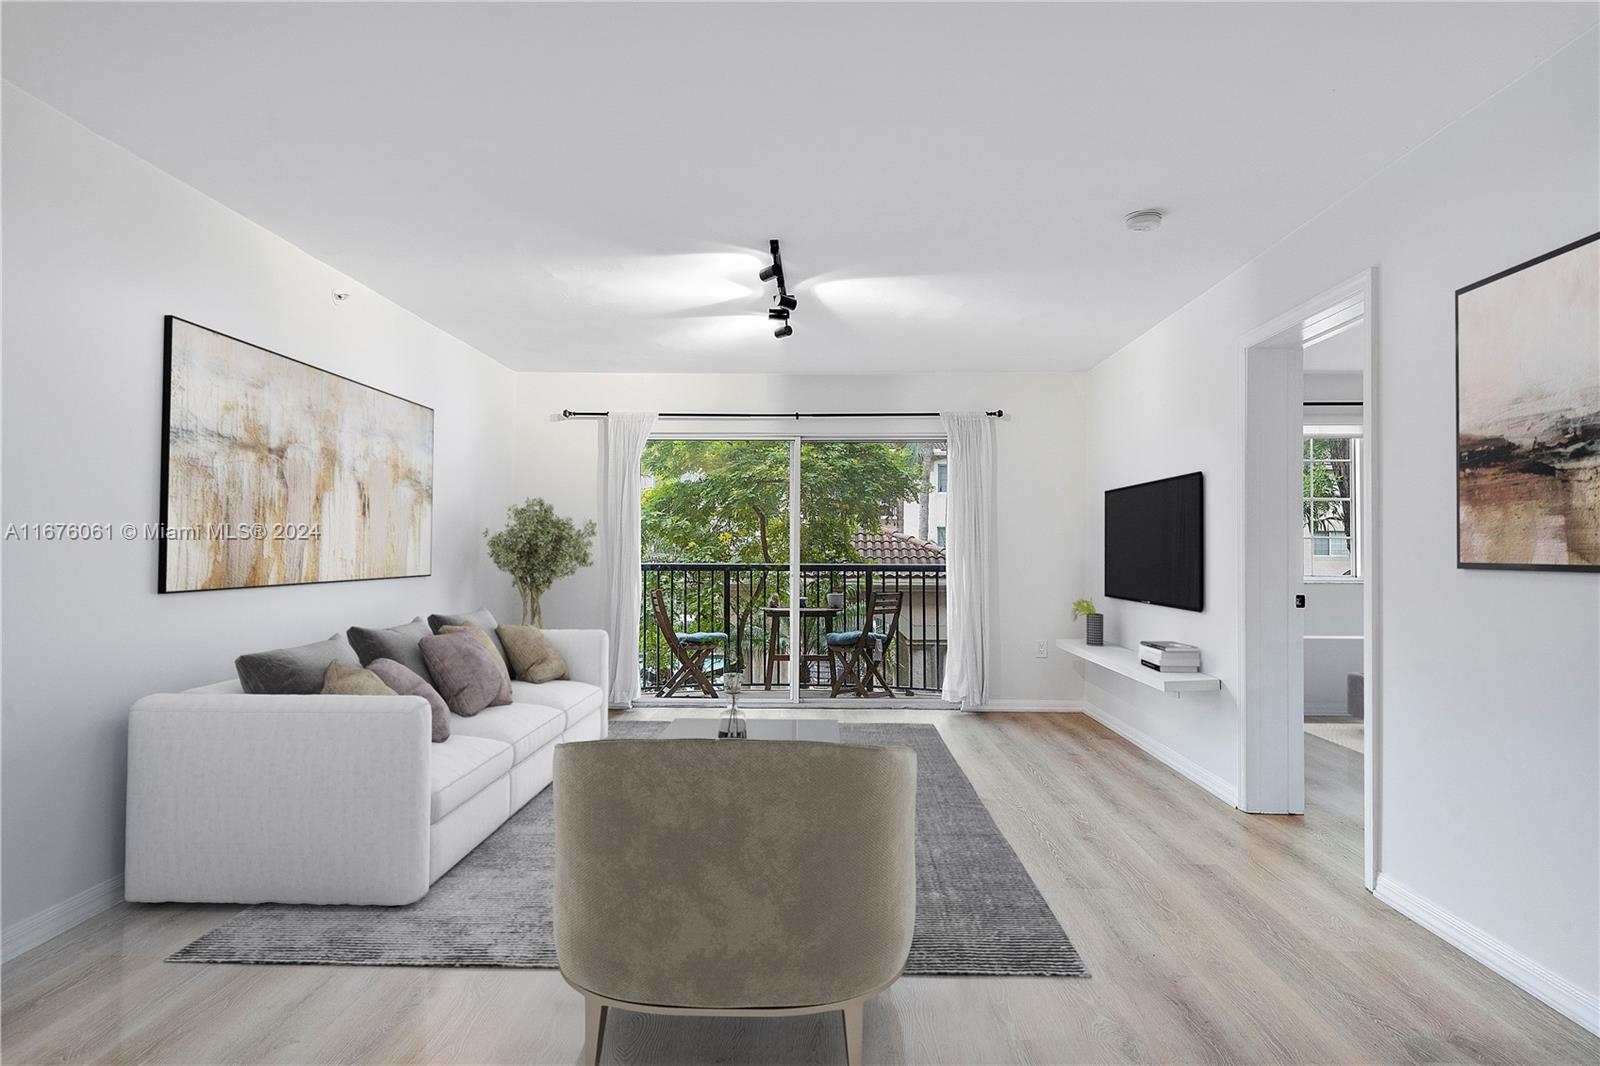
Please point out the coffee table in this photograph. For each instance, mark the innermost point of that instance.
(823, 729)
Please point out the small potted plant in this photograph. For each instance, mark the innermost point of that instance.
(1094, 623)
(537, 548)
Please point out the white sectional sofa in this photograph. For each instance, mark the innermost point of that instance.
(236, 798)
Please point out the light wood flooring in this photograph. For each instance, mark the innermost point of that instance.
(1212, 936)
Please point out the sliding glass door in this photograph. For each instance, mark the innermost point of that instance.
(722, 553)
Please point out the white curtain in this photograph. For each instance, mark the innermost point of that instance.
(969, 554)
(622, 439)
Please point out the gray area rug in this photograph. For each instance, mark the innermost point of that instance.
(978, 911)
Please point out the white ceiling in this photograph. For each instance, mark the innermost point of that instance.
(592, 186)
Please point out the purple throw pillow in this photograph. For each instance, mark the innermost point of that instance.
(407, 682)
(465, 672)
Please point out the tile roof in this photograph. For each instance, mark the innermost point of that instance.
(889, 546)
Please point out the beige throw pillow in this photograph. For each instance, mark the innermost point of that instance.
(342, 679)
(534, 656)
(487, 641)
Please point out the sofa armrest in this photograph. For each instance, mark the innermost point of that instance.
(588, 655)
(288, 799)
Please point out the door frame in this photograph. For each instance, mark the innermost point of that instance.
(1271, 762)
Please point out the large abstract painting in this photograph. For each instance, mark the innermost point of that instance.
(1528, 415)
(278, 473)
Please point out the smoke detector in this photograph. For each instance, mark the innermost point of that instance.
(1143, 221)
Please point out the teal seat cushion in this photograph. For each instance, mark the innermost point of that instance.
(851, 636)
(702, 638)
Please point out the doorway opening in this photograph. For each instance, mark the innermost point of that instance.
(1309, 564)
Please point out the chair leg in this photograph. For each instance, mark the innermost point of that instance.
(876, 668)
(674, 682)
(594, 1029)
(861, 670)
(852, 1032)
(696, 668)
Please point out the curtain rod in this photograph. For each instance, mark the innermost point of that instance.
(779, 414)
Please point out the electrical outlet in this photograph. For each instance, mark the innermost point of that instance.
(1041, 650)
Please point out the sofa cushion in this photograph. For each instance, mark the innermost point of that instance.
(342, 679)
(465, 672)
(574, 698)
(408, 682)
(480, 618)
(527, 727)
(397, 642)
(462, 767)
(293, 671)
(534, 656)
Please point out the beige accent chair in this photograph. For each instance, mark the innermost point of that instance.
(733, 877)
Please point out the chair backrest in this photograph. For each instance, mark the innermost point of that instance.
(883, 614)
(723, 874)
(669, 632)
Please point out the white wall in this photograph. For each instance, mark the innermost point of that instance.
(1489, 744)
(1040, 491)
(98, 246)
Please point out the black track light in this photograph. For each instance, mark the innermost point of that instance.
(776, 269)
(783, 303)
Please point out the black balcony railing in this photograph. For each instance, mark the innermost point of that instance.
(738, 599)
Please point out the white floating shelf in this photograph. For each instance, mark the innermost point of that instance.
(1125, 661)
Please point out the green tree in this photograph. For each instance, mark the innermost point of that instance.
(727, 501)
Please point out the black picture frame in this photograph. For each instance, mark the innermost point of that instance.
(162, 542)
(1463, 564)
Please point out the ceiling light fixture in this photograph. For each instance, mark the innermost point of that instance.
(783, 303)
(1143, 221)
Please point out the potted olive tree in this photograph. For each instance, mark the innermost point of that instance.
(1094, 623)
(537, 548)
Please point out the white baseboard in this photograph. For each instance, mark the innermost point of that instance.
(30, 932)
(1225, 790)
(1052, 706)
(1579, 1004)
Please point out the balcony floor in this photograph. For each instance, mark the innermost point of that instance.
(777, 699)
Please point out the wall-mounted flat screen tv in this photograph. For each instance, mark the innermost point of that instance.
(1155, 542)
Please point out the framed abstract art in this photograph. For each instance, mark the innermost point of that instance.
(275, 472)
(1528, 415)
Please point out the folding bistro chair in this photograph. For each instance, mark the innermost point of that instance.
(690, 649)
(857, 656)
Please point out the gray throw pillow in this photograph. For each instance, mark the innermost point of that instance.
(465, 673)
(293, 671)
(397, 642)
(480, 618)
(408, 682)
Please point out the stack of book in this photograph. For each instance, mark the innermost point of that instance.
(1169, 656)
